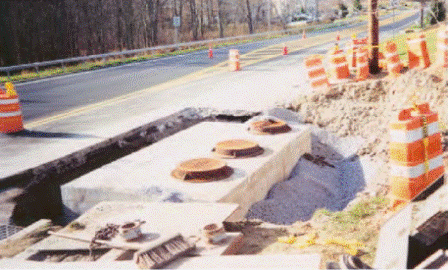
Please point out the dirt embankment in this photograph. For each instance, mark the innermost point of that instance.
(366, 108)
(362, 109)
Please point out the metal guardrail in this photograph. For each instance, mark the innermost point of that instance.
(199, 43)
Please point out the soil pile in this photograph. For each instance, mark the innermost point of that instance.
(366, 108)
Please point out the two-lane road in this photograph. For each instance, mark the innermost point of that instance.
(46, 97)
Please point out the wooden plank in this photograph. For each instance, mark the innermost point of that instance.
(393, 241)
(279, 261)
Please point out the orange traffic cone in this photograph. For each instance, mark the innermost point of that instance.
(338, 36)
(304, 34)
(210, 51)
(285, 49)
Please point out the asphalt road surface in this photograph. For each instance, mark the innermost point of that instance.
(51, 96)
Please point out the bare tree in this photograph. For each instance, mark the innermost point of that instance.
(249, 17)
(193, 19)
(220, 18)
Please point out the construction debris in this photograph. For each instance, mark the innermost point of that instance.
(162, 252)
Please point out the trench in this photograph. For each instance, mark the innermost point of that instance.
(41, 193)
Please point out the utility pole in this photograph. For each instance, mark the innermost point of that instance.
(373, 36)
(317, 9)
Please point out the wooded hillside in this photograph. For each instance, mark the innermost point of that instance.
(39, 30)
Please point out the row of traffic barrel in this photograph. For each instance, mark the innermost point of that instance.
(356, 59)
(338, 68)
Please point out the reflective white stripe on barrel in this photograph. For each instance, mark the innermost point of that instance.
(417, 40)
(323, 77)
(11, 114)
(9, 101)
(415, 171)
(363, 65)
(338, 65)
(390, 55)
(315, 68)
(410, 136)
(360, 54)
(392, 65)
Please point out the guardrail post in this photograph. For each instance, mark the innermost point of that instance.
(9, 75)
(36, 67)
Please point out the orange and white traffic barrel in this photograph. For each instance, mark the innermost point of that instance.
(442, 47)
(316, 73)
(382, 62)
(394, 65)
(356, 45)
(362, 67)
(351, 54)
(338, 64)
(415, 152)
(10, 112)
(234, 60)
(418, 52)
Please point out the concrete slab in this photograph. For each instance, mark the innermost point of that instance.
(162, 220)
(301, 261)
(393, 241)
(33, 228)
(20, 264)
(145, 175)
(280, 261)
(37, 146)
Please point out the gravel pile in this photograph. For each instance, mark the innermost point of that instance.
(329, 177)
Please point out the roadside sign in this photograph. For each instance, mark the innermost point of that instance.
(176, 21)
(394, 3)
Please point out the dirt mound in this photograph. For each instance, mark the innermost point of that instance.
(366, 108)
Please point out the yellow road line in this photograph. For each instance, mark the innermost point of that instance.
(157, 88)
(202, 74)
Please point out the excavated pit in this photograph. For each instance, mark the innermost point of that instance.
(40, 195)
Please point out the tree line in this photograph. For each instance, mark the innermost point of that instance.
(41, 30)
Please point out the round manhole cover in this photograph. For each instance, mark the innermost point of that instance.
(269, 126)
(202, 170)
(237, 149)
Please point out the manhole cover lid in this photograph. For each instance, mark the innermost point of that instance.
(201, 165)
(202, 170)
(269, 126)
(238, 148)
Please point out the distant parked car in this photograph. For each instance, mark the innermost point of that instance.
(299, 19)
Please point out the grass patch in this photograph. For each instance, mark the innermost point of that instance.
(44, 72)
(355, 229)
(401, 41)
(361, 222)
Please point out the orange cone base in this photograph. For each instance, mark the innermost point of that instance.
(234, 66)
(11, 124)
